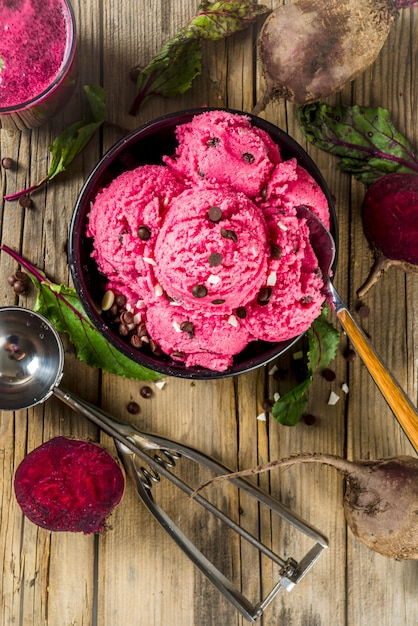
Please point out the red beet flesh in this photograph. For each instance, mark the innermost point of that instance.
(390, 223)
(390, 216)
(69, 485)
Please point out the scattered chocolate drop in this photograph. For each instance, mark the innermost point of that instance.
(229, 234)
(215, 214)
(7, 163)
(133, 408)
(146, 392)
(328, 374)
(199, 291)
(309, 419)
(19, 281)
(215, 259)
(144, 233)
(268, 405)
(218, 301)
(25, 202)
(247, 156)
(363, 310)
(275, 251)
(211, 143)
(350, 355)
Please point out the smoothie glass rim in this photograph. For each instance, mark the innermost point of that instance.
(68, 58)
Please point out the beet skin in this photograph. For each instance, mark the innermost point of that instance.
(69, 485)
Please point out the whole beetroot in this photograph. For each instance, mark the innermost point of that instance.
(310, 49)
(390, 223)
(380, 501)
(69, 485)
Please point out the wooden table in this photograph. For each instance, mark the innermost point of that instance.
(134, 574)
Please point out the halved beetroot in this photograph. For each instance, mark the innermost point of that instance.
(69, 485)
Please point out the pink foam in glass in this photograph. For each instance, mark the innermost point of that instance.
(37, 54)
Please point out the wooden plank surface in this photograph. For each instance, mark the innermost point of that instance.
(134, 574)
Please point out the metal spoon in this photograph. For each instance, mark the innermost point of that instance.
(324, 247)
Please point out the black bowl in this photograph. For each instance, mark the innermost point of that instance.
(147, 145)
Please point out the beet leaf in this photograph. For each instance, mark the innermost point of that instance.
(62, 307)
(172, 71)
(365, 139)
(73, 139)
(323, 339)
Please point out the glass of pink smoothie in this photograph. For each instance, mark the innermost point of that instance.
(37, 60)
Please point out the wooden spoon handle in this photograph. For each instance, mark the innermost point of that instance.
(401, 405)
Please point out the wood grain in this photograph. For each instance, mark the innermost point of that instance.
(134, 574)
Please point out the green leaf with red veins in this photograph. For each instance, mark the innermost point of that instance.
(365, 138)
(62, 307)
(172, 70)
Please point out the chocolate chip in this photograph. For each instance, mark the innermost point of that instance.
(215, 214)
(263, 193)
(133, 408)
(268, 405)
(136, 342)
(363, 310)
(7, 163)
(188, 328)
(146, 392)
(155, 348)
(264, 295)
(127, 317)
(123, 330)
(309, 419)
(328, 374)
(350, 355)
(229, 234)
(199, 291)
(144, 233)
(218, 301)
(120, 300)
(25, 202)
(241, 312)
(19, 287)
(306, 300)
(178, 355)
(247, 156)
(211, 143)
(275, 251)
(215, 259)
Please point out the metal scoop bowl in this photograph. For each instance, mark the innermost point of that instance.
(324, 247)
(31, 368)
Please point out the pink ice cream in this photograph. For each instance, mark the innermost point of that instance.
(208, 263)
(219, 147)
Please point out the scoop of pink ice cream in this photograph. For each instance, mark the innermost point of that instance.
(193, 337)
(220, 147)
(289, 186)
(124, 221)
(291, 298)
(211, 251)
